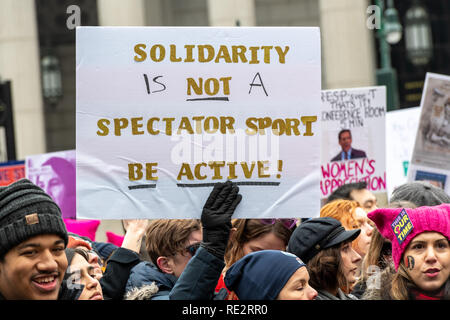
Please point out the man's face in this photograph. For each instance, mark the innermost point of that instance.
(34, 269)
(345, 141)
(179, 261)
(366, 226)
(365, 198)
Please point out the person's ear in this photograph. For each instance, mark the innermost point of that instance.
(165, 264)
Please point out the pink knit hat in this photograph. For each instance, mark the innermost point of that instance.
(401, 225)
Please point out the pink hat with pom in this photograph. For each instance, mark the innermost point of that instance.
(401, 225)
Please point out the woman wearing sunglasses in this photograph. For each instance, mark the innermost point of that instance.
(251, 235)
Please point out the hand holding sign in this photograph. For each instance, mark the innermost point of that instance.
(216, 217)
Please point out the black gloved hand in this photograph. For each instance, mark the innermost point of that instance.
(216, 217)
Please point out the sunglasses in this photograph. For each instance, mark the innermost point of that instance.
(192, 249)
(288, 223)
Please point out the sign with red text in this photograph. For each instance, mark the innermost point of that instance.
(431, 153)
(11, 171)
(165, 113)
(353, 138)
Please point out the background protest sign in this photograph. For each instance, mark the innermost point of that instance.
(361, 111)
(55, 173)
(164, 113)
(11, 171)
(401, 128)
(430, 158)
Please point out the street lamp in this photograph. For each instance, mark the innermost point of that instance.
(392, 26)
(390, 32)
(418, 39)
(51, 79)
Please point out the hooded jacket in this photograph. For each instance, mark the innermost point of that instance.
(147, 274)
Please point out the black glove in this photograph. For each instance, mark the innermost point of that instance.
(216, 217)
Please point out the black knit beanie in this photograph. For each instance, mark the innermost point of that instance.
(27, 211)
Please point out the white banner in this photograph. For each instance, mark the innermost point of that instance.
(164, 113)
(353, 143)
(401, 128)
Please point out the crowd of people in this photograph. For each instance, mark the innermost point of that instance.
(353, 251)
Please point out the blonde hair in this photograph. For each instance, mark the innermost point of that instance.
(400, 281)
(373, 256)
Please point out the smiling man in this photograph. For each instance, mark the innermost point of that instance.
(32, 242)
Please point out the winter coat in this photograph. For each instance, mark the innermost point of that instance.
(117, 272)
(146, 274)
(197, 282)
(199, 279)
(325, 295)
(359, 289)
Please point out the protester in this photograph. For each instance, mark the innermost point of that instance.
(81, 243)
(33, 238)
(351, 217)
(356, 191)
(270, 275)
(420, 252)
(143, 254)
(192, 267)
(81, 274)
(250, 235)
(378, 258)
(113, 273)
(420, 193)
(325, 246)
(170, 245)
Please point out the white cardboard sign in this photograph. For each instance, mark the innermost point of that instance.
(431, 153)
(401, 128)
(358, 114)
(164, 113)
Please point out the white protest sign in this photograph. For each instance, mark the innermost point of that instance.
(401, 128)
(164, 113)
(431, 154)
(353, 120)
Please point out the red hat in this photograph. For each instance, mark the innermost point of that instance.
(77, 242)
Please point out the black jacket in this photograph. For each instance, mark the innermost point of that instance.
(117, 272)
